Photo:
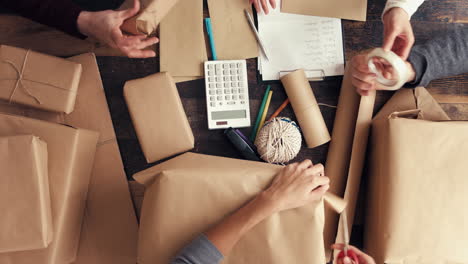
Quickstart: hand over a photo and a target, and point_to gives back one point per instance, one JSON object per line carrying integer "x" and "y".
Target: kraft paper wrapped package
{"x": 417, "y": 185}
{"x": 305, "y": 108}
{"x": 70, "y": 160}
{"x": 190, "y": 193}
{"x": 158, "y": 116}
{"x": 26, "y": 222}
{"x": 38, "y": 80}
{"x": 109, "y": 229}
{"x": 151, "y": 14}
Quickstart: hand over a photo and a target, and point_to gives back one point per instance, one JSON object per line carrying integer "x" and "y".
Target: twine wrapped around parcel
{"x": 279, "y": 140}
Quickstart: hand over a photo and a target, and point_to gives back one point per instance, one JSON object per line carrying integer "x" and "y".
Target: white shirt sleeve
{"x": 410, "y": 6}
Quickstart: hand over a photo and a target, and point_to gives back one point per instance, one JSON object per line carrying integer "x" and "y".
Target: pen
{"x": 253, "y": 134}
{"x": 265, "y": 111}
{"x": 257, "y": 36}
{"x": 209, "y": 31}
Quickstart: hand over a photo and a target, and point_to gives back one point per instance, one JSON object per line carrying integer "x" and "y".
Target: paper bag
{"x": 158, "y": 116}
{"x": 26, "y": 222}
{"x": 188, "y": 194}
{"x": 233, "y": 37}
{"x": 151, "y": 14}
{"x": 38, "y": 80}
{"x": 417, "y": 184}
{"x": 350, "y": 9}
{"x": 70, "y": 160}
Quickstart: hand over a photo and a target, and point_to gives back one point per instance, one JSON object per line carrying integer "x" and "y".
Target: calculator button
{"x": 218, "y": 66}
{"x": 219, "y": 85}
{"x": 211, "y": 79}
{"x": 220, "y": 103}
{"x": 212, "y": 98}
{"x": 241, "y": 97}
{"x": 219, "y": 79}
{"x": 210, "y": 66}
{"x": 234, "y": 90}
{"x": 213, "y": 104}
{"x": 234, "y": 97}
{"x": 239, "y": 65}
{"x": 239, "y": 71}
{"x": 211, "y": 85}
{"x": 227, "y": 91}
{"x": 239, "y": 84}
{"x": 218, "y": 72}
{"x": 226, "y": 85}
{"x": 231, "y": 103}
{"x": 210, "y": 73}
{"x": 220, "y": 98}
{"x": 233, "y": 78}
{"x": 225, "y": 66}
{"x": 233, "y": 65}
{"x": 226, "y": 72}
{"x": 233, "y": 72}
{"x": 228, "y": 97}
{"x": 242, "y": 102}
{"x": 212, "y": 92}
{"x": 233, "y": 84}
{"x": 241, "y": 90}
{"x": 240, "y": 77}
{"x": 219, "y": 91}
{"x": 226, "y": 78}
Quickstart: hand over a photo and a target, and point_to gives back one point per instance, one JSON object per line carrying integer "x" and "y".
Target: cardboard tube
{"x": 346, "y": 153}
{"x": 306, "y": 108}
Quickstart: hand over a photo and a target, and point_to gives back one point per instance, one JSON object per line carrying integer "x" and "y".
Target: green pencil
{"x": 253, "y": 134}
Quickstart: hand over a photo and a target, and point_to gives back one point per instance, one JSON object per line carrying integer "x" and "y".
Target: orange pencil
{"x": 278, "y": 111}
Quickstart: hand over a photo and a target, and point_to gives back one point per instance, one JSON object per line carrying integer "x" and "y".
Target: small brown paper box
{"x": 26, "y": 222}
{"x": 38, "y": 80}
{"x": 417, "y": 185}
{"x": 151, "y": 14}
{"x": 190, "y": 193}
{"x": 158, "y": 116}
{"x": 70, "y": 160}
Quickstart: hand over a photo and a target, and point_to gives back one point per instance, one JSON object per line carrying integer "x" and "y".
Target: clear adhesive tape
{"x": 396, "y": 62}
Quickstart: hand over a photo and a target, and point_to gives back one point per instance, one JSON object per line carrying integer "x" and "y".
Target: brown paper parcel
{"x": 151, "y": 14}
{"x": 233, "y": 37}
{"x": 306, "y": 108}
{"x": 417, "y": 185}
{"x": 38, "y": 80}
{"x": 158, "y": 116}
{"x": 346, "y": 154}
{"x": 109, "y": 231}
{"x": 350, "y": 9}
{"x": 188, "y": 194}
{"x": 26, "y": 222}
{"x": 71, "y": 155}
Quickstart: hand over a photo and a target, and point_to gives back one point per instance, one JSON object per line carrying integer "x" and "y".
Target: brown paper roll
{"x": 306, "y": 108}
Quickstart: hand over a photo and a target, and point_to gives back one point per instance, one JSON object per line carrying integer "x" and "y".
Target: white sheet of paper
{"x": 314, "y": 44}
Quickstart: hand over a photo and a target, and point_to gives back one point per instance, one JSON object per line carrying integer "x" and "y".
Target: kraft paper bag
{"x": 233, "y": 37}
{"x": 158, "y": 116}
{"x": 70, "y": 160}
{"x": 350, "y": 9}
{"x": 188, "y": 194}
{"x": 151, "y": 14}
{"x": 305, "y": 108}
{"x": 38, "y": 80}
{"x": 26, "y": 222}
{"x": 182, "y": 46}
{"x": 417, "y": 184}
{"x": 109, "y": 230}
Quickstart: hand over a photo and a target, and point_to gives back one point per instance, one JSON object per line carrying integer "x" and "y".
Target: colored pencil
{"x": 253, "y": 134}
{"x": 265, "y": 111}
{"x": 278, "y": 111}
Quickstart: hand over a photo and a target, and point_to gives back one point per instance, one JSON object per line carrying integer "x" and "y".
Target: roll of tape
{"x": 396, "y": 62}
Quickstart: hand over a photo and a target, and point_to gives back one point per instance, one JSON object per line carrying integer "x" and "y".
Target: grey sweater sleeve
{"x": 440, "y": 57}
{"x": 199, "y": 251}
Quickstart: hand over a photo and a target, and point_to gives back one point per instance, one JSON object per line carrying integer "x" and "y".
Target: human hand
{"x": 105, "y": 27}
{"x": 365, "y": 81}
{"x": 363, "y": 257}
{"x": 264, "y": 5}
{"x": 398, "y": 33}
{"x": 297, "y": 185}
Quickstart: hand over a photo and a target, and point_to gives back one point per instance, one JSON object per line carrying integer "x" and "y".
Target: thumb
{"x": 128, "y": 13}
{"x": 389, "y": 38}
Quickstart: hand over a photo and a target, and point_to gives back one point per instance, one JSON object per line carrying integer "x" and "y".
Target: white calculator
{"x": 227, "y": 94}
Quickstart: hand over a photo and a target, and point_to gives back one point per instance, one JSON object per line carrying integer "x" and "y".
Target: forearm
{"x": 410, "y": 6}
{"x": 440, "y": 57}
{"x": 60, "y": 14}
{"x": 227, "y": 233}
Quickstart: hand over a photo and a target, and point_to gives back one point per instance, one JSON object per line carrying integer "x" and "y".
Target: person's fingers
{"x": 363, "y": 76}
{"x": 304, "y": 164}
{"x": 265, "y": 6}
{"x": 146, "y": 43}
{"x": 408, "y": 45}
{"x": 362, "y": 85}
{"x": 362, "y": 92}
{"x": 319, "y": 192}
{"x": 136, "y": 53}
{"x": 128, "y": 13}
{"x": 389, "y": 38}
{"x": 317, "y": 181}
{"x": 273, "y": 3}
{"x": 316, "y": 170}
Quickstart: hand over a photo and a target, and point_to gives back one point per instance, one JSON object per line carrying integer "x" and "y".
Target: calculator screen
{"x": 228, "y": 114}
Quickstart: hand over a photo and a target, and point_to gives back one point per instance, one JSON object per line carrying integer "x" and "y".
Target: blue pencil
{"x": 209, "y": 30}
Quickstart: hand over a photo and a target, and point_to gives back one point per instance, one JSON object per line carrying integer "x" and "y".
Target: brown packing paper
{"x": 352, "y": 9}
{"x": 38, "y": 80}
{"x": 26, "y": 222}
{"x": 182, "y": 47}
{"x": 345, "y": 159}
{"x": 109, "y": 230}
{"x": 158, "y": 116}
{"x": 70, "y": 160}
{"x": 151, "y": 14}
{"x": 171, "y": 215}
{"x": 306, "y": 108}
{"x": 233, "y": 37}
{"x": 417, "y": 180}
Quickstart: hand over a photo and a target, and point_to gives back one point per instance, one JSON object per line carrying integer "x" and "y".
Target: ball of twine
{"x": 279, "y": 140}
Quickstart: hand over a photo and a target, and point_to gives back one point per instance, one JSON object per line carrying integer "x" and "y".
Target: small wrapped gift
{"x": 38, "y": 80}
{"x": 26, "y": 222}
